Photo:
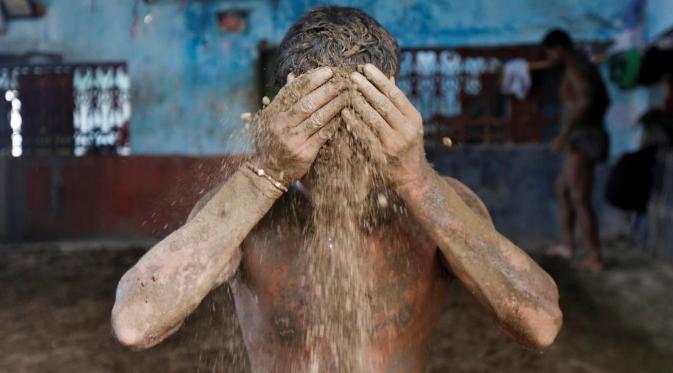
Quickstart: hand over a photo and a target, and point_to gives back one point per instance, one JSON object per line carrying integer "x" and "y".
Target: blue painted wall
{"x": 191, "y": 82}
{"x": 517, "y": 185}
{"x": 659, "y": 17}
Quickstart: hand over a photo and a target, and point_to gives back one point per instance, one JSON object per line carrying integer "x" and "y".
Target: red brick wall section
{"x": 108, "y": 197}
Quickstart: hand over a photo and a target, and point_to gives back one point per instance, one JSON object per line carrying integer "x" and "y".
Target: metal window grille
{"x": 67, "y": 109}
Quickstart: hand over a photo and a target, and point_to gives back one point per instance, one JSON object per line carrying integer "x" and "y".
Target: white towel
{"x": 516, "y": 78}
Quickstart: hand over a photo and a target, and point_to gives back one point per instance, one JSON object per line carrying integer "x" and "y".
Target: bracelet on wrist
{"x": 261, "y": 173}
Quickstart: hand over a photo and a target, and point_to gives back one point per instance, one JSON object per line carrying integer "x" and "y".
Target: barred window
{"x": 65, "y": 109}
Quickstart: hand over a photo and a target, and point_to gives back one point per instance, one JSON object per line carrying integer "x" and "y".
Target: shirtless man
{"x": 248, "y": 234}
{"x": 583, "y": 141}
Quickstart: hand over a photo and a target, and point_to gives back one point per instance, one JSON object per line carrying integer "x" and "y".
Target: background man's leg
{"x": 581, "y": 184}
{"x": 567, "y": 215}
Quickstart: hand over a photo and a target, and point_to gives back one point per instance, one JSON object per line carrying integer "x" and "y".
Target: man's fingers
{"x": 388, "y": 87}
{"x": 316, "y": 121}
{"x": 321, "y": 137}
{"x": 379, "y": 101}
{"x": 304, "y": 84}
{"x": 371, "y": 116}
{"x": 350, "y": 118}
{"x": 308, "y": 105}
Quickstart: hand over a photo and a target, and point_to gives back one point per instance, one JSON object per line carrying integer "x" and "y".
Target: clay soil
{"x": 55, "y": 303}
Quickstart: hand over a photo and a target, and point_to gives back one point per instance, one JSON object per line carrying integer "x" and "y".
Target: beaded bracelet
{"x": 261, "y": 173}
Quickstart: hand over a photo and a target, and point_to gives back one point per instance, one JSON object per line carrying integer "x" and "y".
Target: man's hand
{"x": 397, "y": 123}
{"x": 519, "y": 294}
{"x": 293, "y": 127}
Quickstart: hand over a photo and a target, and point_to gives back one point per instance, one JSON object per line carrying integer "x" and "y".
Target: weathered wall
{"x": 66, "y": 198}
{"x": 80, "y": 198}
{"x": 191, "y": 82}
{"x": 659, "y": 17}
{"x": 517, "y": 185}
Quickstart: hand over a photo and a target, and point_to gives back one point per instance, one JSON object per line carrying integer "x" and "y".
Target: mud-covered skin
{"x": 520, "y": 295}
{"x": 172, "y": 278}
{"x": 272, "y": 295}
{"x": 443, "y": 226}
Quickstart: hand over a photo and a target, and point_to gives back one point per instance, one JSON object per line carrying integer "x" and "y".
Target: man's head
{"x": 344, "y": 187}
{"x": 557, "y": 43}
{"x": 350, "y": 166}
{"x": 336, "y": 37}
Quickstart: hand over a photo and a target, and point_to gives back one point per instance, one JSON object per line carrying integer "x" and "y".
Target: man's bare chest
{"x": 398, "y": 265}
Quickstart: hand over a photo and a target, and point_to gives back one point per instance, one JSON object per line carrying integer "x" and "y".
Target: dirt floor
{"x": 55, "y": 302}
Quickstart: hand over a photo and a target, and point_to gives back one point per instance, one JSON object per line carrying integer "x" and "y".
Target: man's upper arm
{"x": 471, "y": 199}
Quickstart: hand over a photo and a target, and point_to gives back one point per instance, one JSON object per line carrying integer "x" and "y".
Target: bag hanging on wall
{"x": 630, "y": 181}
{"x": 656, "y": 63}
{"x": 624, "y": 68}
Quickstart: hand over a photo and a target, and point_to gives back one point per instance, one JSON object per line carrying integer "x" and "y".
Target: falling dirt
{"x": 347, "y": 172}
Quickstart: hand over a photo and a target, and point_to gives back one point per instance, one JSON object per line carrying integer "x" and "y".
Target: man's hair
{"x": 337, "y": 37}
{"x": 558, "y": 38}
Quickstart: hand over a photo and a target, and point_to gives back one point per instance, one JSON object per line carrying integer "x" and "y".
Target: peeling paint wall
{"x": 659, "y": 17}
{"x": 191, "y": 82}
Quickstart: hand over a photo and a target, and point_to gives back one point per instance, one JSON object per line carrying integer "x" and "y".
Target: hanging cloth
{"x": 516, "y": 78}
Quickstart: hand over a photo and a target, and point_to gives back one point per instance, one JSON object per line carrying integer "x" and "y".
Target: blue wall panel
{"x": 191, "y": 82}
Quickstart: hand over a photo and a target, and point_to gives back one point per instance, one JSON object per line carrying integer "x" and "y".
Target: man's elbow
{"x": 543, "y": 339}
{"x": 124, "y": 332}
{"x": 544, "y": 322}
{"x": 543, "y": 328}
{"x": 128, "y": 333}
{"x": 534, "y": 328}
{"x": 136, "y": 335}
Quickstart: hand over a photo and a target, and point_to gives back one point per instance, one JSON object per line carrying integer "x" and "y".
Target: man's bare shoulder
{"x": 470, "y": 198}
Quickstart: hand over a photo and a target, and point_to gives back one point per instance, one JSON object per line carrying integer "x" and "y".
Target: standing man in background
{"x": 583, "y": 142}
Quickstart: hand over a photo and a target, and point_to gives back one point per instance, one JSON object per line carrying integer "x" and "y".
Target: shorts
{"x": 592, "y": 141}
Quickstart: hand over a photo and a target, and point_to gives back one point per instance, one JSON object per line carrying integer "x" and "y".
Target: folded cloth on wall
{"x": 627, "y": 39}
{"x": 632, "y": 35}
{"x": 516, "y": 78}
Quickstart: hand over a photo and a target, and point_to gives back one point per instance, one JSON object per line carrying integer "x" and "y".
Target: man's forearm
{"x": 176, "y": 274}
{"x": 500, "y": 275}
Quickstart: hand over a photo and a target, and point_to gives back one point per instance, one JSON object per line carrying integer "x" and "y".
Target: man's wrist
{"x": 263, "y": 174}
{"x": 260, "y": 162}
{"x": 261, "y": 184}
{"x": 414, "y": 178}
